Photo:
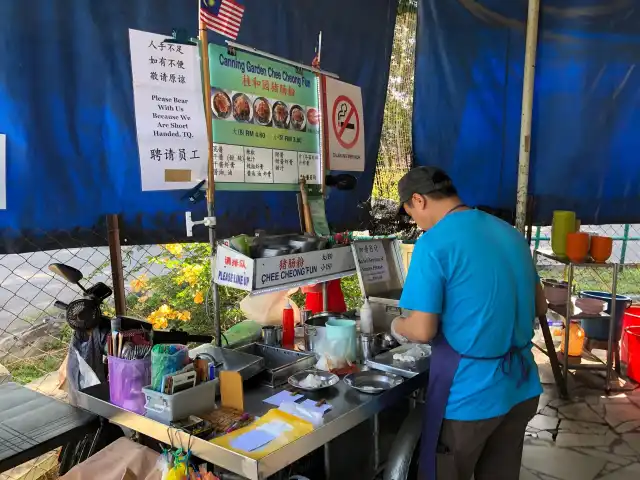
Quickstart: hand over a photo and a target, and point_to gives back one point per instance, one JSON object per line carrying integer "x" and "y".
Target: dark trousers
{"x": 485, "y": 449}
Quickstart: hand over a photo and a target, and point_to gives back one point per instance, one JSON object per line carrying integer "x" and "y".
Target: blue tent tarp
{"x": 66, "y": 106}
{"x": 468, "y": 93}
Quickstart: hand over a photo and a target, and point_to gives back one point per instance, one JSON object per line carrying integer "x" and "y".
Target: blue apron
{"x": 442, "y": 370}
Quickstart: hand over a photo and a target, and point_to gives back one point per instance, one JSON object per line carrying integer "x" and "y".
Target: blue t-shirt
{"x": 476, "y": 272}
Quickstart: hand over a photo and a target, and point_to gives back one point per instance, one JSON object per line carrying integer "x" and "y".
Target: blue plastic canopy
{"x": 66, "y": 106}
{"x": 586, "y": 115}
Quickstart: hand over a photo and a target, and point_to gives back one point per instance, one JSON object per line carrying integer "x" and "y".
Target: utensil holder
{"x": 127, "y": 378}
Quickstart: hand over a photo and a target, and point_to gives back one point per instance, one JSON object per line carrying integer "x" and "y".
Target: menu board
{"x": 266, "y": 122}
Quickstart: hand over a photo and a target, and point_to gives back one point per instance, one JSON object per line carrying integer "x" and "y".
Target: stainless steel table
{"x": 350, "y": 408}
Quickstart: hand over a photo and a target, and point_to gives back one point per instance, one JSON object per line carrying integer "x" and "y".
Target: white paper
{"x": 233, "y": 269}
{"x": 373, "y": 261}
{"x": 345, "y": 118}
{"x": 3, "y": 172}
{"x": 170, "y": 118}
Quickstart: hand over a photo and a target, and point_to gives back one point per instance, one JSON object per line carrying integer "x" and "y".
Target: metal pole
{"x": 613, "y": 327}
{"x": 567, "y": 325}
{"x": 376, "y": 444}
{"x": 117, "y": 273}
{"x": 625, "y": 240}
{"x": 206, "y": 83}
{"x": 527, "y": 110}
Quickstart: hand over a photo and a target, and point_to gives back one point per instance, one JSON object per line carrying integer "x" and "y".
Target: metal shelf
{"x": 568, "y": 306}
{"x": 577, "y": 313}
{"x": 548, "y": 253}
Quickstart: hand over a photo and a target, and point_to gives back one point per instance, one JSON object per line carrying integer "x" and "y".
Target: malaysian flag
{"x": 222, "y": 16}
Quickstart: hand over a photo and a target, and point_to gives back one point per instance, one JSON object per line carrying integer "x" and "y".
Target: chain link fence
{"x": 626, "y": 251}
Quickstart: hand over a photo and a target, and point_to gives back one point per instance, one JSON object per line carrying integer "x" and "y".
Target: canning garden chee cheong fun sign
{"x": 266, "y": 122}
{"x": 170, "y": 119}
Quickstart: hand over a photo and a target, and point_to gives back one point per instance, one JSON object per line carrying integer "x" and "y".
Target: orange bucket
{"x": 601, "y": 248}
{"x": 577, "y": 246}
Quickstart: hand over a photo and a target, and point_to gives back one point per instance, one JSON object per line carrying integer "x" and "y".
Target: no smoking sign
{"x": 344, "y": 126}
{"x": 346, "y": 122}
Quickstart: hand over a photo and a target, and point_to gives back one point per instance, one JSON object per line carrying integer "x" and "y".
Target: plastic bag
{"x": 333, "y": 354}
{"x": 266, "y": 309}
{"x": 166, "y": 359}
{"x": 84, "y": 367}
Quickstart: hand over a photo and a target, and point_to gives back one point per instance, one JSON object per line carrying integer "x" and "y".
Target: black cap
{"x": 423, "y": 181}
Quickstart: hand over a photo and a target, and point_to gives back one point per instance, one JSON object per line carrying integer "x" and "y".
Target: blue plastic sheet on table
{"x": 66, "y": 106}
{"x": 584, "y": 144}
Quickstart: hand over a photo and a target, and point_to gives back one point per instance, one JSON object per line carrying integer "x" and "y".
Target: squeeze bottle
{"x": 288, "y": 331}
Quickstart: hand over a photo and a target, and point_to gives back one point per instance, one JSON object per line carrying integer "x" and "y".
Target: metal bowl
{"x": 372, "y": 381}
{"x": 328, "y": 379}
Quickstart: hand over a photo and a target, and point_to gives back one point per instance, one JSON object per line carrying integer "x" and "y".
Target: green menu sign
{"x": 266, "y": 122}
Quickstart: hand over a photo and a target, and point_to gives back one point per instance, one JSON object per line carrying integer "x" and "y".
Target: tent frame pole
{"x": 527, "y": 110}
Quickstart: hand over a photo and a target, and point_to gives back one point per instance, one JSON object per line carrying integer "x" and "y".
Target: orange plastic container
{"x": 577, "y": 246}
{"x": 601, "y": 248}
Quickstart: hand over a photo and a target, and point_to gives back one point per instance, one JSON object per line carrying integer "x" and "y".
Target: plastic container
{"x": 564, "y": 222}
{"x": 601, "y": 248}
{"x": 631, "y": 319}
{"x": 343, "y": 332}
{"x": 577, "y": 246}
{"x": 598, "y": 328}
{"x": 193, "y": 401}
{"x": 166, "y": 359}
{"x": 366, "y": 318}
{"x": 632, "y": 335}
{"x": 576, "y": 340}
{"x": 288, "y": 327}
{"x": 127, "y": 378}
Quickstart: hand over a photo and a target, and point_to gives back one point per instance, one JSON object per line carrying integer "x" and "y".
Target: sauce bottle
{"x": 288, "y": 330}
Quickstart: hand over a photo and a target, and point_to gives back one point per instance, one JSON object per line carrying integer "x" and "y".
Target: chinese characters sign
{"x": 372, "y": 260}
{"x": 170, "y": 120}
{"x": 266, "y": 121}
{"x": 236, "y": 270}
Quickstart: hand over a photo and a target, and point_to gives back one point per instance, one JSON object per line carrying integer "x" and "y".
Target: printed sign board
{"x": 372, "y": 260}
{"x": 344, "y": 126}
{"x": 170, "y": 119}
{"x": 266, "y": 122}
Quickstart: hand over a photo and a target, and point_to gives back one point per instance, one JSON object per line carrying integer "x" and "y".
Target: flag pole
{"x": 206, "y": 83}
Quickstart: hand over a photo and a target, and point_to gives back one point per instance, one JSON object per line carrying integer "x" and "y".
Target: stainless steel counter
{"x": 350, "y": 408}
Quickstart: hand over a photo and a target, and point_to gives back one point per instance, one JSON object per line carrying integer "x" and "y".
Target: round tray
{"x": 329, "y": 379}
{"x": 372, "y": 382}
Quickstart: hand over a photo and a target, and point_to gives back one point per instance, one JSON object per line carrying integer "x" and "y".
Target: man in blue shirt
{"x": 473, "y": 293}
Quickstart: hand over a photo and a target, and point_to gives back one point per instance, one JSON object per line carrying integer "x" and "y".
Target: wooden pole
{"x": 206, "y": 84}
{"x": 117, "y": 273}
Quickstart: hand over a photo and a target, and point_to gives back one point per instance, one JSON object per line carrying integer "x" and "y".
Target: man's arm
{"x": 418, "y": 327}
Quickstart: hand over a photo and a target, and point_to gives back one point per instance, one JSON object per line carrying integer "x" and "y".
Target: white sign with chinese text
{"x": 170, "y": 118}
{"x": 3, "y": 172}
{"x": 344, "y": 124}
{"x": 372, "y": 260}
{"x": 298, "y": 267}
{"x": 234, "y": 269}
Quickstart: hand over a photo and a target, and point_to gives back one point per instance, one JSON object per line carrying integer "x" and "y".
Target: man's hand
{"x": 418, "y": 327}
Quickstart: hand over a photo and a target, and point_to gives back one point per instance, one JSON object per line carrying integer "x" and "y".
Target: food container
{"x": 316, "y": 328}
{"x": 555, "y": 291}
{"x": 343, "y": 333}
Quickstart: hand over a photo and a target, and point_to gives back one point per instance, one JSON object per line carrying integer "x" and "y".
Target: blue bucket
{"x": 598, "y": 328}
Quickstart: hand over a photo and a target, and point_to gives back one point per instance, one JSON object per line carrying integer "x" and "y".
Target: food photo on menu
{"x": 245, "y": 108}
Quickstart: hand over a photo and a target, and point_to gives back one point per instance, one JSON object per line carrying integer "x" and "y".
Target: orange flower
{"x": 198, "y": 298}
{"x": 139, "y": 284}
{"x": 174, "y": 249}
